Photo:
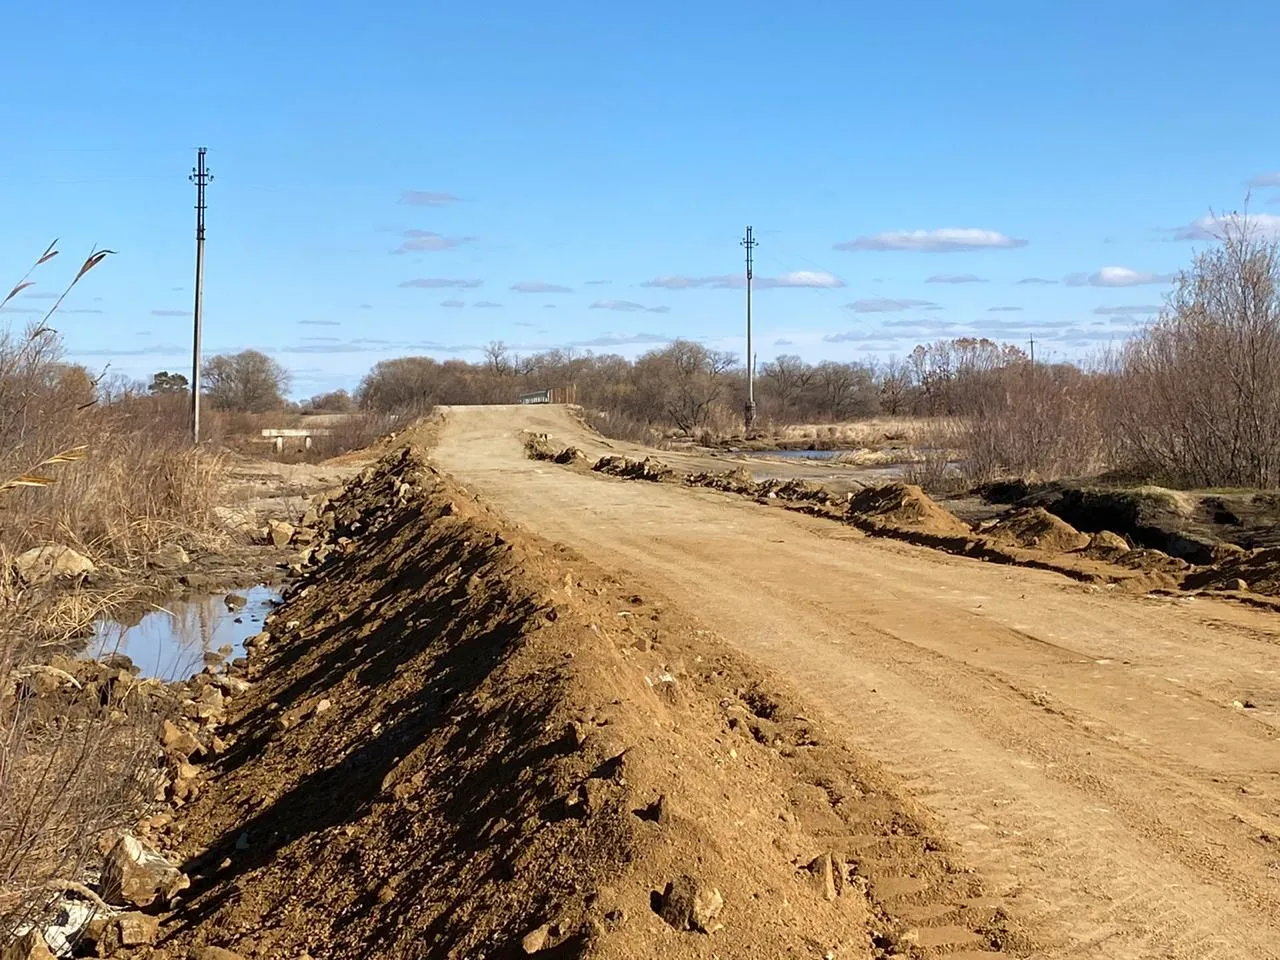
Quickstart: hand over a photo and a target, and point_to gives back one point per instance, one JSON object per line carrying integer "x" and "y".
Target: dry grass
{"x": 873, "y": 432}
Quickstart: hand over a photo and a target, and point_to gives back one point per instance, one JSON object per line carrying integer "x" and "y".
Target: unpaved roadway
{"x": 1110, "y": 764}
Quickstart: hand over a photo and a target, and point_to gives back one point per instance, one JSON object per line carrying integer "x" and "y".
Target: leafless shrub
{"x": 1198, "y": 399}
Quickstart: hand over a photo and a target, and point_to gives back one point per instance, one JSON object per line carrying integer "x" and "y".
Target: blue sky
{"x": 588, "y": 169}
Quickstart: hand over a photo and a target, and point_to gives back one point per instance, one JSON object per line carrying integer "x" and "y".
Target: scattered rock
{"x": 535, "y": 939}
{"x": 29, "y": 946}
{"x": 234, "y": 601}
{"x": 1235, "y": 584}
{"x": 137, "y": 929}
{"x": 1106, "y": 541}
{"x": 178, "y": 741}
{"x": 280, "y": 533}
{"x": 136, "y": 874}
{"x": 169, "y": 556}
{"x": 213, "y": 953}
{"x": 42, "y": 564}
{"x": 690, "y": 904}
{"x": 823, "y": 874}
{"x": 323, "y": 706}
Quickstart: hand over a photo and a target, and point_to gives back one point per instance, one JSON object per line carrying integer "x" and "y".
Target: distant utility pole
{"x": 1033, "y": 351}
{"x": 749, "y": 413}
{"x": 201, "y": 177}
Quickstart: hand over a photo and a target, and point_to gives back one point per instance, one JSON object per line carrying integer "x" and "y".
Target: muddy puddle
{"x": 177, "y": 639}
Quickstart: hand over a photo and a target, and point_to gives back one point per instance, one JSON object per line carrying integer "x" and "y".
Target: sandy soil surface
{"x": 1109, "y": 763}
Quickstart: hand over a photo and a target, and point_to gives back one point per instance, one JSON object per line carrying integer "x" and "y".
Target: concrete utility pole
{"x": 201, "y": 177}
{"x": 749, "y": 412}
{"x": 1033, "y": 351}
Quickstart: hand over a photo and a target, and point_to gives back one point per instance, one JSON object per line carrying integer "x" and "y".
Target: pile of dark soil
{"x": 538, "y": 446}
{"x": 464, "y": 742}
{"x": 646, "y": 469}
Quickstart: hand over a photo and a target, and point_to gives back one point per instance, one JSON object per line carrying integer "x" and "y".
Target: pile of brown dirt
{"x": 1038, "y": 529}
{"x": 906, "y": 505}
{"x": 738, "y": 480}
{"x": 646, "y": 469}
{"x": 464, "y": 742}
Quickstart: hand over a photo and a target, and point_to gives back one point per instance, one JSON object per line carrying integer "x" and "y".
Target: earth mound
{"x": 906, "y": 505}
{"x": 1038, "y": 529}
{"x": 646, "y": 469}
{"x": 462, "y": 741}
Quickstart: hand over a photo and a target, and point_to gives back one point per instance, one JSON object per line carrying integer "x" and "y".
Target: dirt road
{"x": 1109, "y": 763}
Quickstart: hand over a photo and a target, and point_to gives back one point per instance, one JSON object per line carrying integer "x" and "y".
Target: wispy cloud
{"x": 1264, "y": 180}
{"x": 549, "y": 306}
{"x": 1004, "y": 309}
{"x": 366, "y": 306}
{"x": 11, "y": 308}
{"x": 1123, "y": 311}
{"x": 598, "y": 283}
{"x": 815, "y": 279}
{"x": 626, "y": 306}
{"x": 454, "y": 304}
{"x": 171, "y": 313}
{"x": 1212, "y": 227}
{"x": 886, "y": 305}
{"x": 955, "y": 278}
{"x": 320, "y": 323}
{"x": 1116, "y": 277}
{"x": 539, "y": 286}
{"x": 945, "y": 240}
{"x": 1039, "y": 281}
{"x": 620, "y": 339}
{"x": 800, "y": 278}
{"x": 485, "y": 305}
{"x": 784, "y": 343}
{"x": 81, "y": 310}
{"x": 416, "y": 241}
{"x": 441, "y": 283}
{"x": 40, "y": 295}
{"x": 427, "y": 198}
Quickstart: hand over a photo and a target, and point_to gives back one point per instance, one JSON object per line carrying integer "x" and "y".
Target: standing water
{"x": 176, "y": 641}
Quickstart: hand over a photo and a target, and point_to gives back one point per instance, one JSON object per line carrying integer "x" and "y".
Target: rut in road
{"x": 1085, "y": 749}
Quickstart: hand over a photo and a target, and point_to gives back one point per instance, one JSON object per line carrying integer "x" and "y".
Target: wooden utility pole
{"x": 749, "y": 412}
{"x": 201, "y": 177}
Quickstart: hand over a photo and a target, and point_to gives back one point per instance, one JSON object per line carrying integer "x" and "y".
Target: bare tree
{"x": 248, "y": 381}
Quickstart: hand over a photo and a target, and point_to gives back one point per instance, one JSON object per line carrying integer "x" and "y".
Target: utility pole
{"x": 201, "y": 177}
{"x": 1033, "y": 351}
{"x": 749, "y": 412}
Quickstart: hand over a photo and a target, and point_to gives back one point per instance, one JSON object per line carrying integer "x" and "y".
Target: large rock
{"x": 29, "y": 946}
{"x": 42, "y": 564}
{"x": 178, "y": 741}
{"x": 690, "y": 904}
{"x": 169, "y": 556}
{"x": 137, "y": 929}
{"x": 279, "y": 532}
{"x": 136, "y": 874}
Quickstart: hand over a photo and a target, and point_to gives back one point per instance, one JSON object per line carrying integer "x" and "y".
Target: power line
{"x": 749, "y": 412}
{"x": 201, "y": 177}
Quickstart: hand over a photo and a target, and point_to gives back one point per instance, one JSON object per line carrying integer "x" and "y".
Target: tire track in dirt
{"x": 1125, "y": 802}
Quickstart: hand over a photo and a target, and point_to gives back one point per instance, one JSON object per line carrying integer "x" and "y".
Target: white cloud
{"x": 1039, "y": 281}
{"x": 427, "y": 198}
{"x": 625, "y": 306}
{"x": 485, "y": 305}
{"x": 539, "y": 286}
{"x": 1126, "y": 311}
{"x": 800, "y": 278}
{"x": 1212, "y": 227}
{"x": 1264, "y": 180}
{"x": 886, "y": 305}
{"x": 598, "y": 283}
{"x": 945, "y": 240}
{"x": 441, "y": 283}
{"x": 1004, "y": 309}
{"x": 1116, "y": 277}
{"x": 735, "y": 281}
{"x": 955, "y": 278}
{"x": 171, "y": 313}
{"x": 452, "y": 304}
{"x": 419, "y": 240}
{"x": 620, "y": 339}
